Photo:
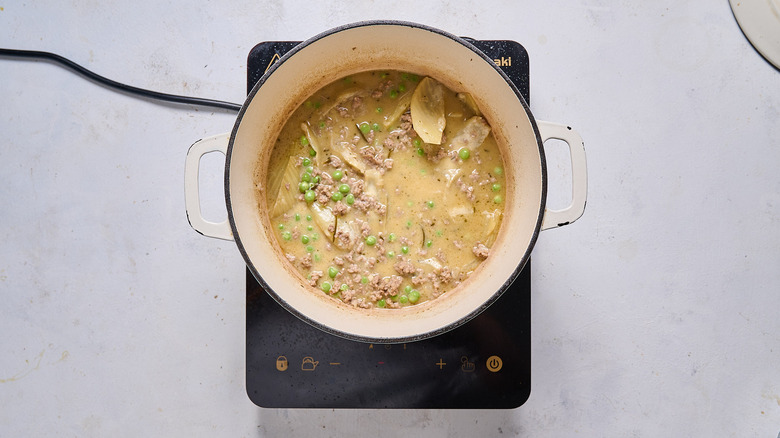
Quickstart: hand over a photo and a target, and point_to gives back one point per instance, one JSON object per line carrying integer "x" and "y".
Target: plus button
{"x": 441, "y": 363}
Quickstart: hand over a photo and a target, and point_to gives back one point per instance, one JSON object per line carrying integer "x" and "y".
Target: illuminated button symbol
{"x": 281, "y": 363}
{"x": 494, "y": 364}
{"x": 308, "y": 364}
{"x": 441, "y": 363}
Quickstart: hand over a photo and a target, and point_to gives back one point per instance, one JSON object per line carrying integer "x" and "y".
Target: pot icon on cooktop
{"x": 308, "y": 364}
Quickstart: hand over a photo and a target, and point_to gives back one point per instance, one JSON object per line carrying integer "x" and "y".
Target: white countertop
{"x": 654, "y": 315}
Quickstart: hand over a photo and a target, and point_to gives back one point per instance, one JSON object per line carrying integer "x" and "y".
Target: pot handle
{"x": 579, "y": 175}
{"x": 216, "y": 143}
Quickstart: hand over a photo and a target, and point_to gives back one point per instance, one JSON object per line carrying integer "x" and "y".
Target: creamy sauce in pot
{"x": 386, "y": 189}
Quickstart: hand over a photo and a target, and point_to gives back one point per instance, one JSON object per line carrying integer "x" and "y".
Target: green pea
{"x": 309, "y": 227}
{"x": 391, "y": 237}
{"x": 315, "y": 236}
{"x": 401, "y": 88}
{"x": 308, "y": 217}
{"x": 322, "y": 125}
{"x": 428, "y": 243}
{"x": 390, "y": 254}
{"x": 497, "y": 199}
{"x": 408, "y": 288}
{"x": 280, "y": 226}
{"x": 309, "y": 196}
{"x": 403, "y": 299}
{"x": 393, "y": 94}
{"x": 304, "y": 239}
{"x": 364, "y": 279}
{"x": 344, "y": 286}
{"x": 350, "y": 199}
{"x": 309, "y": 248}
{"x": 304, "y": 141}
{"x": 337, "y": 196}
{"x": 317, "y": 257}
{"x": 410, "y": 77}
{"x": 364, "y": 127}
{"x": 306, "y": 162}
{"x": 306, "y": 177}
{"x": 303, "y": 186}
{"x": 325, "y": 286}
{"x": 312, "y": 153}
{"x": 333, "y": 272}
{"x": 286, "y": 235}
{"x": 405, "y": 249}
{"x": 464, "y": 154}
{"x": 381, "y": 303}
{"x": 430, "y": 204}
{"x": 414, "y": 296}
{"x": 417, "y": 142}
{"x": 297, "y": 217}
{"x": 375, "y": 127}
{"x": 498, "y": 171}
{"x": 378, "y": 109}
{"x": 371, "y": 240}
{"x": 344, "y": 189}
{"x": 496, "y": 187}
{"x": 337, "y": 175}
{"x": 420, "y": 152}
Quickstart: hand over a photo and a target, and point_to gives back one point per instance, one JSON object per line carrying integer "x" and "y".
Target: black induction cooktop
{"x": 483, "y": 364}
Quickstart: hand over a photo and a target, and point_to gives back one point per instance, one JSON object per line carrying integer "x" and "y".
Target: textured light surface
{"x": 655, "y": 312}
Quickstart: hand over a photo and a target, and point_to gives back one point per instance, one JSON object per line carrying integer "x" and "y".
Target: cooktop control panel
{"x": 484, "y": 364}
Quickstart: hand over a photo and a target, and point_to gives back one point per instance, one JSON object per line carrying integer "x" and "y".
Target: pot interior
{"x": 374, "y": 46}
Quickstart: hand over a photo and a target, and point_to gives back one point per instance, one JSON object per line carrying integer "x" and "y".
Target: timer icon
{"x": 494, "y": 364}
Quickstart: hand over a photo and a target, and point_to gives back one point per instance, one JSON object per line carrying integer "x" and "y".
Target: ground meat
{"x": 384, "y": 287}
{"x": 335, "y": 161}
{"x": 467, "y": 189}
{"x": 406, "y": 123}
{"x": 340, "y": 209}
{"x": 356, "y": 186}
{"x": 404, "y": 268}
{"x": 357, "y": 103}
{"x": 380, "y": 90}
{"x": 480, "y": 250}
{"x": 365, "y": 229}
{"x": 315, "y": 277}
{"x": 290, "y": 257}
{"x": 306, "y": 261}
{"x": 343, "y": 238}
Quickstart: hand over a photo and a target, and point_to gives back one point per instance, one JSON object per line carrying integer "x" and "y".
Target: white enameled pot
{"x": 372, "y": 46}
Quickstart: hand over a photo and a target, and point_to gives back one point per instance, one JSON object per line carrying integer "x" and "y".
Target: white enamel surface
{"x": 380, "y": 47}
{"x": 215, "y": 143}
{"x": 579, "y": 171}
{"x": 654, "y": 315}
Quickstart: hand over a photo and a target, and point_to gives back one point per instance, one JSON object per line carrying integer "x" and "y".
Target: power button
{"x": 494, "y": 364}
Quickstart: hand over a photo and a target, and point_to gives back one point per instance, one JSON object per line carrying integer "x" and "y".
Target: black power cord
{"x": 116, "y": 85}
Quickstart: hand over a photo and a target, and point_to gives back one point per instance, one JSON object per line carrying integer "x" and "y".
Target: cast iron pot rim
{"x": 421, "y": 336}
